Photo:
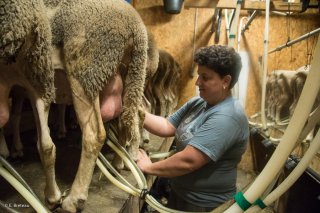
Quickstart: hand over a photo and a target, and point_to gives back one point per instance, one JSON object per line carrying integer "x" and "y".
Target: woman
{"x": 211, "y": 133}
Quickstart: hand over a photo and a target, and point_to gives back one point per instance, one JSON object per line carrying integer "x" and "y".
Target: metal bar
{"x": 246, "y": 26}
{"x": 288, "y": 44}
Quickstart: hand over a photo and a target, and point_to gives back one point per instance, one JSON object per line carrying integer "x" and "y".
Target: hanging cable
{"x": 192, "y": 71}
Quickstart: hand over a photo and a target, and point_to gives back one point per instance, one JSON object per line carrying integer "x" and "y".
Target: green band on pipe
{"x": 232, "y": 36}
{"x": 242, "y": 201}
{"x": 260, "y": 203}
{"x": 239, "y": 1}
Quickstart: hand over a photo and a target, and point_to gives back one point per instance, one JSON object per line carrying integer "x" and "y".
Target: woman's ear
{"x": 227, "y": 81}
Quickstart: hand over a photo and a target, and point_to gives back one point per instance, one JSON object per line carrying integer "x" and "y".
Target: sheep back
{"x": 94, "y": 36}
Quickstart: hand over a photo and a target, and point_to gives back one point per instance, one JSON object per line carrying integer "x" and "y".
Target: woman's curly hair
{"x": 223, "y": 60}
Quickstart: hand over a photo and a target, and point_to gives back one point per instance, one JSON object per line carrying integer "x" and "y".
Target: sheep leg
{"x": 4, "y": 152}
{"x": 129, "y": 136}
{"x": 144, "y": 133}
{"x": 17, "y": 104}
{"x": 4, "y": 117}
{"x": 4, "y": 103}
{"x": 93, "y": 138}
{"x": 129, "y": 125}
{"x": 129, "y": 121}
{"x": 47, "y": 151}
{"x": 62, "y": 130}
{"x": 111, "y": 105}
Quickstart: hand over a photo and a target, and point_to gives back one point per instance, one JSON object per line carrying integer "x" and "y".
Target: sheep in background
{"x": 149, "y": 100}
{"x": 283, "y": 90}
{"x": 161, "y": 92}
{"x": 279, "y": 94}
{"x": 90, "y": 47}
{"x": 165, "y": 84}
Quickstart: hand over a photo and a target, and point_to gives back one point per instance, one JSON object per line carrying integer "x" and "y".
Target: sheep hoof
{"x": 80, "y": 205}
{"x": 53, "y": 206}
{"x": 68, "y": 205}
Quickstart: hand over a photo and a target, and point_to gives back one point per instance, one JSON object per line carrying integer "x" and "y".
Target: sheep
{"x": 91, "y": 39}
{"x": 297, "y": 85}
{"x": 166, "y": 83}
{"x": 279, "y": 95}
{"x": 25, "y": 48}
{"x": 17, "y": 98}
{"x": 283, "y": 90}
{"x": 25, "y": 53}
{"x": 18, "y": 95}
{"x": 161, "y": 92}
{"x": 152, "y": 65}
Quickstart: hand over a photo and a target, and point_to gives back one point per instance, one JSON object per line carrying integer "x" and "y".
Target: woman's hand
{"x": 143, "y": 160}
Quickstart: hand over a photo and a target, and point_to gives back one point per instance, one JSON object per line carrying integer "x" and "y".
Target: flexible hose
{"x": 123, "y": 184}
{"x": 15, "y": 174}
{"x": 159, "y": 155}
{"x": 34, "y": 202}
{"x": 289, "y": 139}
{"x": 114, "y": 180}
{"x": 294, "y": 175}
{"x": 129, "y": 163}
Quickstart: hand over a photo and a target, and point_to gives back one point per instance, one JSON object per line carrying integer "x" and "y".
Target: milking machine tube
{"x": 34, "y": 202}
{"x": 129, "y": 163}
{"x": 294, "y": 175}
{"x": 14, "y": 173}
{"x": 158, "y": 155}
{"x": 123, "y": 184}
{"x": 289, "y": 139}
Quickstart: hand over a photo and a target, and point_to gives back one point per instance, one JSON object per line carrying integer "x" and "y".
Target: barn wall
{"x": 175, "y": 34}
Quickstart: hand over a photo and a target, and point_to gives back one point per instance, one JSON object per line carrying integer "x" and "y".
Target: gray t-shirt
{"x": 221, "y": 132}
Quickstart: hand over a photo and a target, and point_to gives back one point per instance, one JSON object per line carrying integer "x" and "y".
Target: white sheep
{"x": 90, "y": 39}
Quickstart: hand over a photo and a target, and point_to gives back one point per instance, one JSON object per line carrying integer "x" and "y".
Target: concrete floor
{"x": 103, "y": 195}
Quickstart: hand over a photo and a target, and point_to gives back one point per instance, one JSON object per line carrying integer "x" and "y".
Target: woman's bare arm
{"x": 158, "y": 125}
{"x": 181, "y": 163}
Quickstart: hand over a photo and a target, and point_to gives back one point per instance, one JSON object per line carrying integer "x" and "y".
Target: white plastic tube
{"x": 288, "y": 141}
{"x": 294, "y": 175}
{"x": 34, "y": 202}
{"x": 312, "y": 121}
{"x": 129, "y": 164}
{"x": 265, "y": 68}
{"x": 127, "y": 187}
{"x": 158, "y": 155}
{"x": 114, "y": 180}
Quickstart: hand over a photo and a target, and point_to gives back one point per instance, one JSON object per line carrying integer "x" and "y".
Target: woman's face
{"x": 212, "y": 87}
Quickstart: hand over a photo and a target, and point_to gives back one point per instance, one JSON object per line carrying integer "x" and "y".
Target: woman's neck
{"x": 219, "y": 101}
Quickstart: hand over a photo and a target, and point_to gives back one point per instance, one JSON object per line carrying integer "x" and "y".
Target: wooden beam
{"x": 200, "y": 3}
{"x": 285, "y": 7}
{"x": 246, "y": 5}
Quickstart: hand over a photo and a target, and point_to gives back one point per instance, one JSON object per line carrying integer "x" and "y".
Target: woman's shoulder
{"x": 195, "y": 100}
{"x": 230, "y": 108}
